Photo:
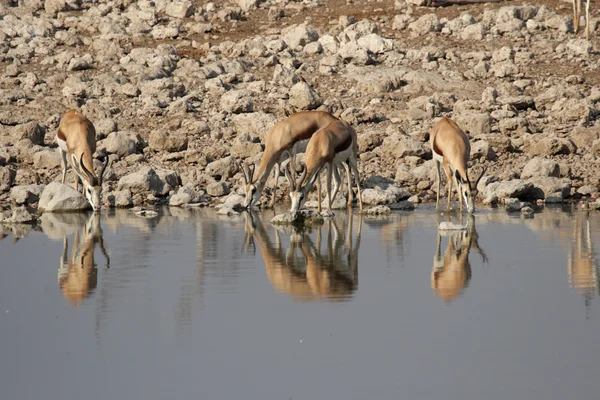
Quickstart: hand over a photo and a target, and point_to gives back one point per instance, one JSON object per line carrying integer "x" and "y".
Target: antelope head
{"x": 296, "y": 190}
{"x": 92, "y": 183}
{"x": 469, "y": 191}
{"x": 252, "y": 193}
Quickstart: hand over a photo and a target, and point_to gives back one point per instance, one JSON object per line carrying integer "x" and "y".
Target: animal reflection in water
{"x": 451, "y": 274}
{"x": 77, "y": 276}
{"x": 583, "y": 270}
{"x": 303, "y": 269}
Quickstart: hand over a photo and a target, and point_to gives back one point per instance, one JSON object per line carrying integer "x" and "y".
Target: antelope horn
{"x": 288, "y": 174}
{"x": 103, "y": 169}
{"x": 480, "y": 176}
{"x": 251, "y": 174}
{"x": 302, "y": 176}
{"x": 241, "y": 168}
{"x": 85, "y": 170}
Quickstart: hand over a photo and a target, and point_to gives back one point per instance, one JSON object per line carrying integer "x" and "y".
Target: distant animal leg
{"x": 63, "y": 164}
{"x": 276, "y": 172}
{"x": 576, "y": 13}
{"x": 318, "y": 190}
{"x": 349, "y": 181}
{"x": 439, "y": 183}
{"x": 329, "y": 174}
{"x": 587, "y": 19}
{"x": 354, "y": 166}
{"x": 450, "y": 180}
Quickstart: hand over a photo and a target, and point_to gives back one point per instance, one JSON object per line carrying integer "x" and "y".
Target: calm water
{"x": 193, "y": 305}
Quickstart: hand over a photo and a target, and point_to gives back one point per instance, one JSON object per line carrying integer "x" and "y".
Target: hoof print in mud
{"x": 302, "y": 218}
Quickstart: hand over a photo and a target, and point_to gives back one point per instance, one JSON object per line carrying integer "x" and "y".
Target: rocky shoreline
{"x": 176, "y": 92}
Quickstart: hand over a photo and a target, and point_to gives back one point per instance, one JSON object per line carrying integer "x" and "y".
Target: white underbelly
{"x": 437, "y": 157}
{"x": 62, "y": 145}
{"x": 342, "y": 156}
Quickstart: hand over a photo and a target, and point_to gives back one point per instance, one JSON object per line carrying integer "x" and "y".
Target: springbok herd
{"x": 327, "y": 142}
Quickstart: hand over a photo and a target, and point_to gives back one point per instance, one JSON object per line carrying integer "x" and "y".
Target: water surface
{"x": 190, "y": 304}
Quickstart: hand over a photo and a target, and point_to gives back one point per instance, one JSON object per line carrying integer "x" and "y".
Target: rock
{"x": 544, "y": 187}
{"x": 123, "y": 143}
{"x": 170, "y": 177}
{"x": 227, "y": 211}
{"x": 234, "y": 201}
{"x": 399, "y": 146}
{"x": 401, "y": 21}
{"x": 501, "y": 190}
{"x": 527, "y": 211}
{"x": 583, "y": 138}
{"x": 59, "y": 197}
{"x": 237, "y": 101}
{"x": 339, "y": 203}
{"x": 217, "y": 189}
{"x": 20, "y": 216}
{"x": 450, "y": 226}
{"x": 258, "y": 123}
{"x": 179, "y": 9}
{"x": 516, "y": 205}
{"x": 53, "y": 7}
{"x": 579, "y": 47}
{"x": 377, "y": 210}
{"x": 473, "y": 32}
{"x": 403, "y": 205}
{"x": 474, "y": 124}
{"x": 482, "y": 149}
{"x": 224, "y": 168}
{"x": 376, "y": 196}
{"x": 299, "y": 35}
{"x": 375, "y": 43}
{"x": 425, "y": 24}
{"x": 572, "y": 110}
{"x": 31, "y": 131}
{"x": 46, "y": 159}
{"x": 550, "y": 146}
{"x": 26, "y": 194}
{"x": 179, "y": 199}
{"x": 587, "y": 190}
{"x": 143, "y": 181}
{"x": 120, "y": 199}
{"x": 300, "y": 218}
{"x": 247, "y": 5}
{"x": 304, "y": 97}
{"x": 540, "y": 167}
{"x": 7, "y": 177}
{"x": 164, "y": 141}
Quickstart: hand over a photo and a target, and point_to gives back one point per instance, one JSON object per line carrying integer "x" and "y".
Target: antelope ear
{"x": 458, "y": 177}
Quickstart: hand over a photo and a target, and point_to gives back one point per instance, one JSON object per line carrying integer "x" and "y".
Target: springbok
{"x": 335, "y": 144}
{"x": 76, "y": 136}
{"x": 577, "y": 16}
{"x": 77, "y": 276}
{"x": 451, "y": 274}
{"x": 283, "y": 141}
{"x": 451, "y": 148}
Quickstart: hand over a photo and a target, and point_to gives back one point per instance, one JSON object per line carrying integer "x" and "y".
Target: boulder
{"x": 59, "y": 197}
{"x": 143, "y": 181}
{"x": 304, "y": 97}
{"x": 179, "y": 9}
{"x": 425, "y": 24}
{"x": 224, "y": 168}
{"x": 375, "y": 43}
{"x": 123, "y": 143}
{"x": 377, "y": 210}
{"x": 20, "y": 215}
{"x": 376, "y": 197}
{"x": 247, "y": 5}
{"x": 7, "y": 177}
{"x": 400, "y": 146}
{"x": 496, "y": 191}
{"x": 237, "y": 101}
{"x": 544, "y": 187}
{"x": 482, "y": 149}
{"x": 46, "y": 159}
{"x": 120, "y": 199}
{"x": 583, "y": 138}
{"x": 26, "y": 194}
{"x": 550, "y": 146}
{"x": 217, "y": 189}
{"x": 299, "y": 35}
{"x": 31, "y": 131}
{"x": 540, "y": 167}
{"x": 300, "y": 218}
{"x": 165, "y": 141}
{"x": 474, "y": 124}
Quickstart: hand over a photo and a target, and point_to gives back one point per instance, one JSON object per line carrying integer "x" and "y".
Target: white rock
{"x": 304, "y": 97}
{"x": 58, "y": 197}
{"x": 26, "y": 194}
